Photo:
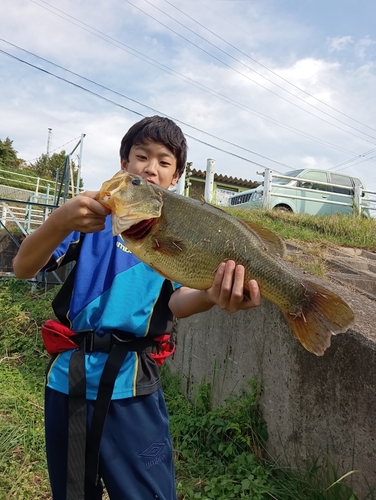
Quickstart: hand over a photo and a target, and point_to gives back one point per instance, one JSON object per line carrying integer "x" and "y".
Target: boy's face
{"x": 152, "y": 161}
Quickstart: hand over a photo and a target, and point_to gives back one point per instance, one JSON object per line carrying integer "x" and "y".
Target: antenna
{"x": 49, "y": 142}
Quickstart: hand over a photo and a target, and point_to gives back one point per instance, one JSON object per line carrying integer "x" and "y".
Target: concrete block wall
{"x": 311, "y": 404}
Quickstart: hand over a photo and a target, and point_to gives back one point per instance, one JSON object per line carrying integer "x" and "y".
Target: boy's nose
{"x": 152, "y": 165}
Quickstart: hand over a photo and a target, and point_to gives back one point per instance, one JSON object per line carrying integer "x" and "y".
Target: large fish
{"x": 185, "y": 241}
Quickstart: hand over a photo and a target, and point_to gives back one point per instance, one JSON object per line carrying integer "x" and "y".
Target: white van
{"x": 308, "y": 191}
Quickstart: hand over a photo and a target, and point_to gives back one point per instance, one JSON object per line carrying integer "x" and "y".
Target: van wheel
{"x": 281, "y": 208}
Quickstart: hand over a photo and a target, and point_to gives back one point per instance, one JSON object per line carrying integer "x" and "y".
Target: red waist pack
{"x": 56, "y": 337}
{"x": 165, "y": 348}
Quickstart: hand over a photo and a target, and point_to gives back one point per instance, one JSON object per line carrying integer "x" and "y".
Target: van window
{"x": 293, "y": 173}
{"x": 342, "y": 180}
{"x": 312, "y": 175}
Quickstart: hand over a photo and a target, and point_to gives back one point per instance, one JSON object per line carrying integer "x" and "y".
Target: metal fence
{"x": 359, "y": 201}
{"x": 27, "y": 182}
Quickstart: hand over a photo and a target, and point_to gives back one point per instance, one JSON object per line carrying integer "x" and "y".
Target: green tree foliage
{"x": 8, "y": 155}
{"x": 48, "y": 166}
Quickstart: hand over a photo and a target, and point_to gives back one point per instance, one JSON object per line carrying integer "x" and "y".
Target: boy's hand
{"x": 81, "y": 213}
{"x": 227, "y": 291}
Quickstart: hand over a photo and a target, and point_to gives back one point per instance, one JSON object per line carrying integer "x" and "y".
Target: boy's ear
{"x": 175, "y": 179}
{"x": 123, "y": 164}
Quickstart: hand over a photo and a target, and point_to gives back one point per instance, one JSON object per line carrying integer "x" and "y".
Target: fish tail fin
{"x": 322, "y": 315}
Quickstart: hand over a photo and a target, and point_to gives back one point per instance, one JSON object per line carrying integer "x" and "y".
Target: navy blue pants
{"x": 136, "y": 460}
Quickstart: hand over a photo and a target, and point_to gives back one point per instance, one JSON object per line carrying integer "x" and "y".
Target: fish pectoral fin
{"x": 168, "y": 246}
{"x": 273, "y": 243}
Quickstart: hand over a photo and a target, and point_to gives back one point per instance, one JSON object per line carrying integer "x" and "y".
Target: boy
{"x": 115, "y": 306}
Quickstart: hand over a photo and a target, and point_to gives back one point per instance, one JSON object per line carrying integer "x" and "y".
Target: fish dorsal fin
{"x": 272, "y": 243}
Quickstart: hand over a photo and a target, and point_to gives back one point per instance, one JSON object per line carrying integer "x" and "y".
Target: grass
{"x": 25, "y": 179}
{"x": 220, "y": 453}
{"x": 326, "y": 230}
{"x": 22, "y": 462}
{"x": 23, "y": 472}
{"x": 314, "y": 235}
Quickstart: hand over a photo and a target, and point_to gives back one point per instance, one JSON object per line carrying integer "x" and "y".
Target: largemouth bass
{"x": 185, "y": 241}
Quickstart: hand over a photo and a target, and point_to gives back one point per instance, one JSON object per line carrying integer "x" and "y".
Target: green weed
{"x": 220, "y": 452}
{"x": 336, "y": 229}
{"x": 23, "y": 470}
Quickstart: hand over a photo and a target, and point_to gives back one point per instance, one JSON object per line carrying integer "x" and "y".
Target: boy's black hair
{"x": 157, "y": 129}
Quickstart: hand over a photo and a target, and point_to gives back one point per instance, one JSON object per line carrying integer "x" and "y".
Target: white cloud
{"x": 340, "y": 43}
{"x": 335, "y": 74}
{"x": 362, "y": 46}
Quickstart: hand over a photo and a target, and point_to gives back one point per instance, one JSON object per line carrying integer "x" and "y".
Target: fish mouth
{"x": 132, "y": 199}
{"x": 139, "y": 230}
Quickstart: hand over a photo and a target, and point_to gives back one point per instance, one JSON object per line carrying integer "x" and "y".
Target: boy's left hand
{"x": 227, "y": 291}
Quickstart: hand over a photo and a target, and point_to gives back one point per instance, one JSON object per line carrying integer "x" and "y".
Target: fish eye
{"x": 136, "y": 182}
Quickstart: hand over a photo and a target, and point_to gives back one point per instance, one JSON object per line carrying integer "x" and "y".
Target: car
{"x": 309, "y": 191}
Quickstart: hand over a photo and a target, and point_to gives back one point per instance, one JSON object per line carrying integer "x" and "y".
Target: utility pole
{"x": 80, "y": 164}
{"x": 48, "y": 142}
{"x": 209, "y": 180}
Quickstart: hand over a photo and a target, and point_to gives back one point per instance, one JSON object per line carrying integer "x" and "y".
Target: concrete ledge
{"x": 311, "y": 404}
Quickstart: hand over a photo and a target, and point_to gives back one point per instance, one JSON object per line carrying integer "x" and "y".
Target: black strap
{"x": 111, "y": 369}
{"x": 95, "y": 342}
{"x": 76, "y": 426}
{"x": 83, "y": 451}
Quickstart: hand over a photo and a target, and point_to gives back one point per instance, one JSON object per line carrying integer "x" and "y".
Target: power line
{"x": 228, "y": 21}
{"x": 244, "y": 108}
{"x": 350, "y": 163}
{"x": 196, "y": 84}
{"x": 144, "y": 105}
{"x": 265, "y": 67}
{"x": 154, "y": 110}
{"x": 247, "y": 77}
{"x": 59, "y": 147}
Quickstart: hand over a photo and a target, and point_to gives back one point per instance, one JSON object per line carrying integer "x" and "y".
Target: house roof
{"x": 225, "y": 178}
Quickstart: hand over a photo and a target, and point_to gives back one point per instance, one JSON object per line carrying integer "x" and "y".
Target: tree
{"x": 8, "y": 155}
{"x": 49, "y": 167}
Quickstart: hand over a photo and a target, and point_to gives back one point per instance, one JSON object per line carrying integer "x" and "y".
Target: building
{"x": 224, "y": 186}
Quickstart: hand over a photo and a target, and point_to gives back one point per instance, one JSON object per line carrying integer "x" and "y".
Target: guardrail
{"x": 24, "y": 208}
{"x": 25, "y": 217}
{"x": 357, "y": 201}
{"x": 26, "y": 200}
{"x": 361, "y": 200}
{"x": 29, "y": 182}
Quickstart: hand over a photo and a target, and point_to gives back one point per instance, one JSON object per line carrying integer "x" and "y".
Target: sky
{"x": 252, "y": 83}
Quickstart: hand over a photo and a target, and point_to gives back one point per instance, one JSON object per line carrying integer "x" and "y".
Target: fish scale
{"x": 223, "y": 238}
{"x": 186, "y": 241}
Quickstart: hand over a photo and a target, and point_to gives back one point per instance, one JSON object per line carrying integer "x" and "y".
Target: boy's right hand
{"x": 81, "y": 213}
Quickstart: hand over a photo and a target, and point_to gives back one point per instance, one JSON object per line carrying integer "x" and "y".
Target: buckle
{"x": 95, "y": 342}
{"x": 123, "y": 340}
{"x": 92, "y": 341}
